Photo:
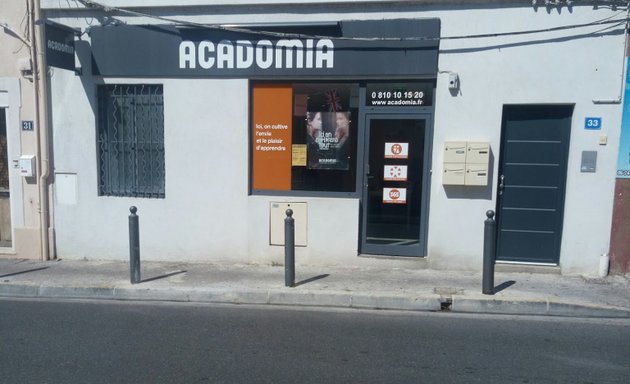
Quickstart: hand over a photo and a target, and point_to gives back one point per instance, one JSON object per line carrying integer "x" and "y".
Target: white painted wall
{"x": 208, "y": 215}
{"x": 513, "y": 71}
{"x": 17, "y": 95}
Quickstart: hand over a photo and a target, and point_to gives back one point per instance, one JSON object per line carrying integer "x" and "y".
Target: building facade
{"x": 21, "y": 211}
{"x": 390, "y": 128}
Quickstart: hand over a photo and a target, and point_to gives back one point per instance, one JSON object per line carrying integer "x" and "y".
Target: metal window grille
{"x": 131, "y": 140}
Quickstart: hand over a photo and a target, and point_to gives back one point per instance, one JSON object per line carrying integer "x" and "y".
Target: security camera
{"x": 453, "y": 81}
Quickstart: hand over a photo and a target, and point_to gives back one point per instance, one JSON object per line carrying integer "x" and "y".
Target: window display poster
{"x": 298, "y": 158}
{"x": 271, "y": 137}
{"x": 327, "y": 135}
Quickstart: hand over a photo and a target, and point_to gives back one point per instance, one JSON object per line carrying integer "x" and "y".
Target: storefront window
{"x": 304, "y": 136}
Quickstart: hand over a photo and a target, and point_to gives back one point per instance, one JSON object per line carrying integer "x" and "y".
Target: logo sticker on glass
{"x": 395, "y": 173}
{"x": 396, "y": 150}
{"x": 395, "y": 195}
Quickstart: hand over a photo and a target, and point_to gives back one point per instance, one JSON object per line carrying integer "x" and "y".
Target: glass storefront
{"x": 368, "y": 140}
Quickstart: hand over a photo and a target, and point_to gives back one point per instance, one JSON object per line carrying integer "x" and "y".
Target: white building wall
{"x": 208, "y": 215}
{"x": 17, "y": 96}
{"x": 551, "y": 69}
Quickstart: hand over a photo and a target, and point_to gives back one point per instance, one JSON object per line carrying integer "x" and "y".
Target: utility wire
{"x": 533, "y": 31}
{"x": 15, "y": 34}
{"x": 175, "y": 22}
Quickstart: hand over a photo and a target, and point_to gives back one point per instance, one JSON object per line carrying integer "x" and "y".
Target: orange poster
{"x": 271, "y": 137}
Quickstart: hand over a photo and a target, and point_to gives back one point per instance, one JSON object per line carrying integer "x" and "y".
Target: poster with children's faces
{"x": 327, "y": 136}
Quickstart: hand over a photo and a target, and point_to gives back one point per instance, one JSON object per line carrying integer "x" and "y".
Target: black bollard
{"x": 289, "y": 249}
{"x": 134, "y": 246}
{"x": 489, "y": 249}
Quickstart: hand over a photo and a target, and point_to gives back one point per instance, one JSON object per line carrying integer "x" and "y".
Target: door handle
{"x": 501, "y": 184}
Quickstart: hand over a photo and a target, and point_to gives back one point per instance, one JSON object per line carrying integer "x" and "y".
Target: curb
{"x": 535, "y": 307}
{"x": 332, "y": 299}
{"x": 228, "y": 296}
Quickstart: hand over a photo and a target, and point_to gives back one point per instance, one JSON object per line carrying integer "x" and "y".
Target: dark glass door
{"x": 395, "y": 185}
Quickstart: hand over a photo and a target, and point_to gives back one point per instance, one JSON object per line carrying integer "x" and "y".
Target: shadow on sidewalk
{"x": 163, "y": 276}
{"x": 311, "y": 280}
{"x": 21, "y": 272}
{"x": 504, "y": 285}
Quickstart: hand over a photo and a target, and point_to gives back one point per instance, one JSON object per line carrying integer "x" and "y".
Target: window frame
{"x": 134, "y": 189}
{"x": 359, "y": 153}
{"x": 363, "y": 110}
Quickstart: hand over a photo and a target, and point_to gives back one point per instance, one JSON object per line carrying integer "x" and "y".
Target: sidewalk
{"x": 396, "y": 289}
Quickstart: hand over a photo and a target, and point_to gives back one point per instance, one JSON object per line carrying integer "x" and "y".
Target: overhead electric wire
{"x": 15, "y": 34}
{"x": 176, "y": 22}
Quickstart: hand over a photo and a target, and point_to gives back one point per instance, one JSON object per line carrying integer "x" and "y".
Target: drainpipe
{"x": 40, "y": 79}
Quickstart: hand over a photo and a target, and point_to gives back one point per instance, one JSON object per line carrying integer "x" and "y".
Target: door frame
{"x": 10, "y": 100}
{"x": 395, "y": 114}
{"x": 561, "y": 198}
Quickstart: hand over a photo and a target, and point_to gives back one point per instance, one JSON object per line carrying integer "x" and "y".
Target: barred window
{"x": 131, "y": 140}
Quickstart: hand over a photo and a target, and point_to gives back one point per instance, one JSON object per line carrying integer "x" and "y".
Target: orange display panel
{"x": 271, "y": 137}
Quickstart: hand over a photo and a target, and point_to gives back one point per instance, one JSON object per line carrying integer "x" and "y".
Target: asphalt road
{"x": 122, "y": 342}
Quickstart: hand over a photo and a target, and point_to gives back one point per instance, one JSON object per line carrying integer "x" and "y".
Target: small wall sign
{"x": 396, "y": 150}
{"x": 27, "y": 125}
{"x": 394, "y": 195}
{"x": 59, "y": 46}
{"x": 395, "y": 173}
{"x": 593, "y": 123}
